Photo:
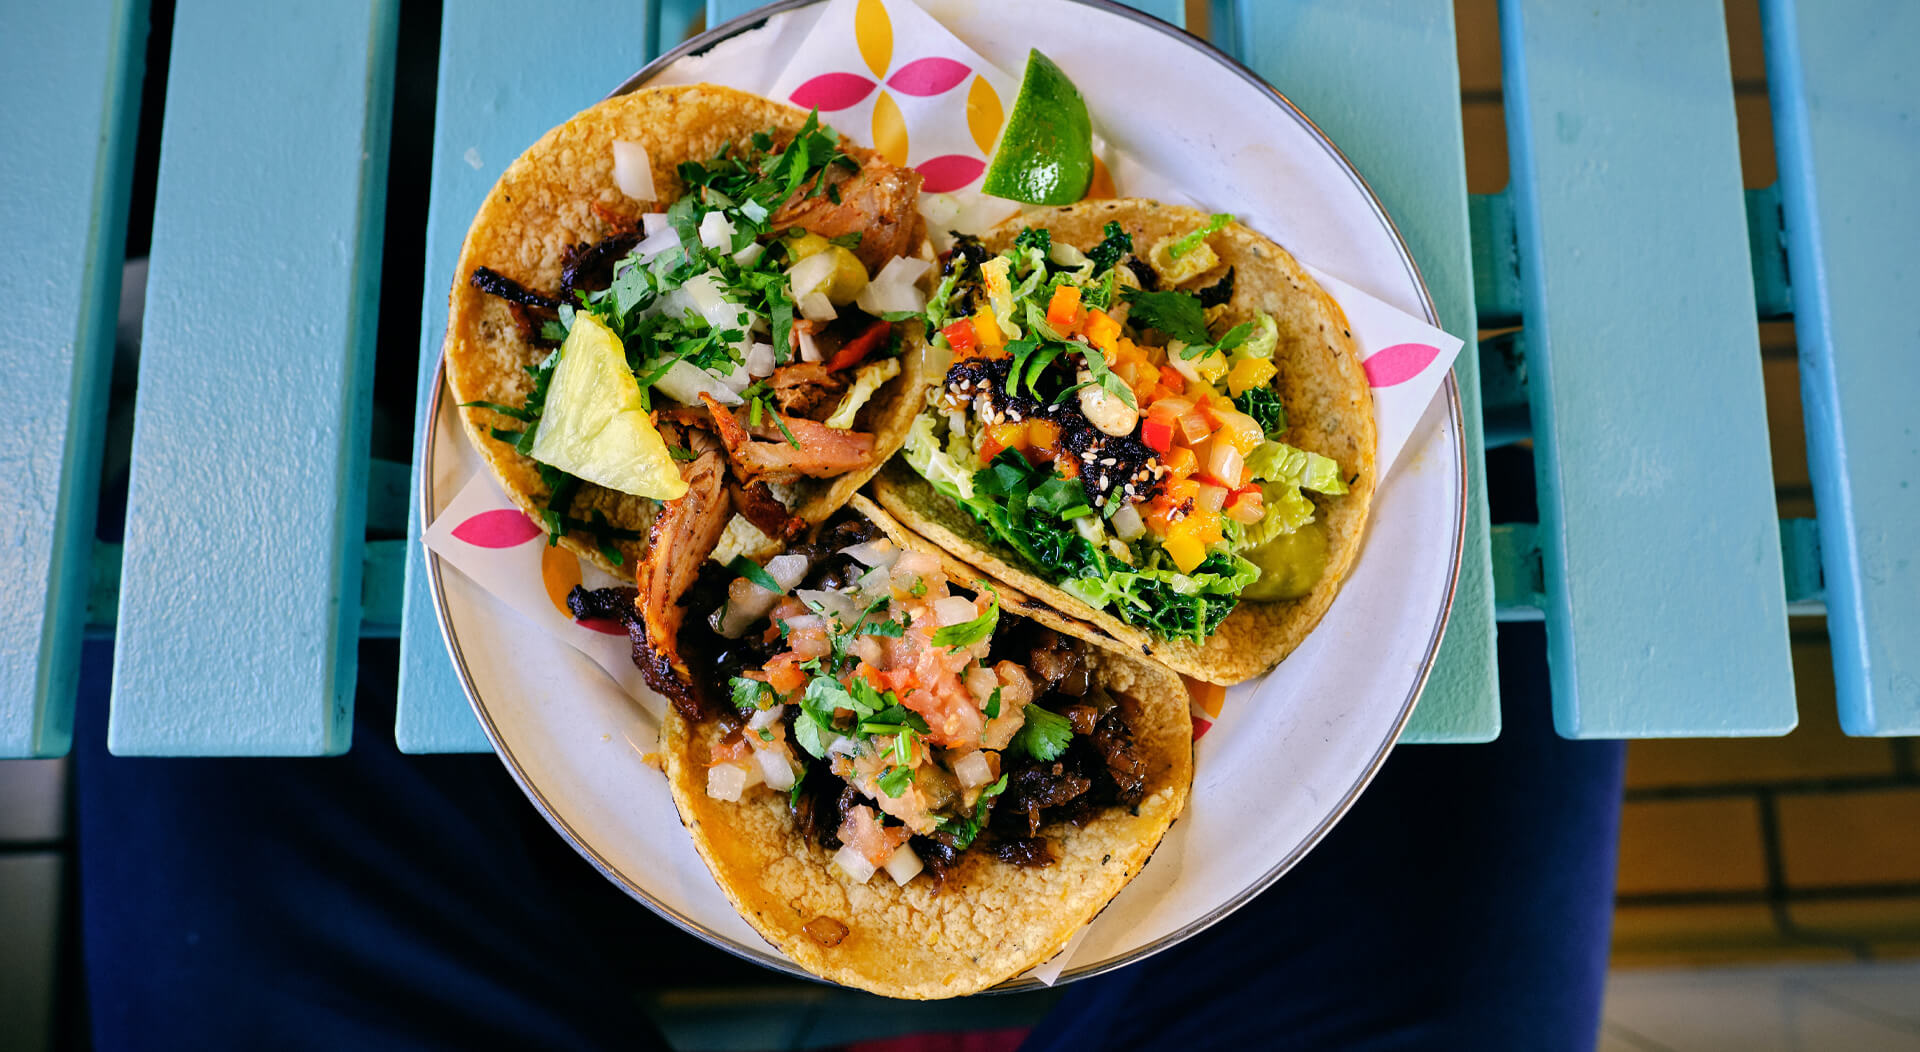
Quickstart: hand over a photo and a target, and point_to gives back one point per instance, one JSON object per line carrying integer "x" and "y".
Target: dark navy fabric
{"x": 382, "y": 901}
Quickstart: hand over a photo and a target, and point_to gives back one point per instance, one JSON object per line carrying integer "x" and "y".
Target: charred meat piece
{"x": 1031, "y": 790}
{"x": 937, "y": 852}
{"x": 589, "y": 268}
{"x": 1144, "y": 273}
{"x": 822, "y": 452}
{"x": 1051, "y": 658}
{"x": 494, "y": 283}
{"x": 683, "y": 535}
{"x": 755, "y": 501}
{"x": 878, "y": 202}
{"x": 1023, "y": 851}
{"x": 807, "y": 389}
{"x": 1219, "y": 292}
{"x": 602, "y": 604}
{"x": 1113, "y": 739}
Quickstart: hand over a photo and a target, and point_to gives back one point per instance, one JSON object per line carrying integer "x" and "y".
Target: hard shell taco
{"x": 912, "y": 782}
{"x": 682, "y": 270}
{"x": 1154, "y": 420}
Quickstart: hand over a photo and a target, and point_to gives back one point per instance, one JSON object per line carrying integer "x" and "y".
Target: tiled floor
{"x": 1804, "y": 1008}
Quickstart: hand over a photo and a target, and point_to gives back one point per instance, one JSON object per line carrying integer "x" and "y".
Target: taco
{"x": 679, "y": 270}
{"x": 1154, "y": 420}
{"x": 909, "y": 782}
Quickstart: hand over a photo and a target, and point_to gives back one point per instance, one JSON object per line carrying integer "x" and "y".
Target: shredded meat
{"x": 879, "y": 202}
{"x": 807, "y": 389}
{"x": 823, "y": 452}
{"x": 1023, "y": 851}
{"x": 683, "y": 535}
{"x": 603, "y": 604}
{"x": 494, "y": 283}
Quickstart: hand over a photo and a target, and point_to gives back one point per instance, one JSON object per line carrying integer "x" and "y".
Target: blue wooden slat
{"x": 1174, "y": 11}
{"x": 498, "y": 92}
{"x": 239, "y": 606}
{"x": 70, "y": 74}
{"x": 1381, "y": 77}
{"x": 1665, "y": 609}
{"x": 1846, "y": 111}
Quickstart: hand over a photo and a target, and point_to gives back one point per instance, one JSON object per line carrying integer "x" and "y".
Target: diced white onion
{"x": 877, "y": 552}
{"x": 702, "y": 293}
{"x": 766, "y": 718}
{"x": 972, "y": 770}
{"x": 726, "y": 781}
{"x": 1223, "y": 462}
{"x": 843, "y": 746}
{"x": 633, "y": 170}
{"x": 895, "y": 288}
{"x": 684, "y": 382}
{"x": 1127, "y": 523}
{"x": 749, "y": 254}
{"x": 787, "y": 570}
{"x": 981, "y": 683}
{"x": 665, "y": 239}
{"x": 838, "y": 603}
{"x": 954, "y": 610}
{"x": 940, "y": 209}
{"x": 775, "y": 769}
{"x": 803, "y": 622}
{"x": 868, "y": 649}
{"x": 738, "y": 379}
{"x": 654, "y": 222}
{"x": 716, "y": 231}
{"x": 814, "y": 306}
{"x": 754, "y": 210}
{"x": 812, "y": 274}
{"x": 853, "y": 864}
{"x": 809, "y": 351}
{"x": 903, "y": 865}
{"x": 875, "y": 583}
{"x": 760, "y": 360}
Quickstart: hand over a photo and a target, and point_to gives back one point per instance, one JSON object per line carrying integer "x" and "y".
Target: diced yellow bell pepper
{"x": 1185, "y": 550}
{"x": 1249, "y": 373}
{"x": 986, "y": 330}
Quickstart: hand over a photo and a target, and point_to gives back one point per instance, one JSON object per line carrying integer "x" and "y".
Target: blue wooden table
{"x": 1625, "y": 250}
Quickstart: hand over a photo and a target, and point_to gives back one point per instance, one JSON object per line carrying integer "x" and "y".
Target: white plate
{"x": 1292, "y": 750}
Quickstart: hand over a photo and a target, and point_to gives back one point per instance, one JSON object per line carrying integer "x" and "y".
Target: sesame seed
{"x": 1108, "y": 462}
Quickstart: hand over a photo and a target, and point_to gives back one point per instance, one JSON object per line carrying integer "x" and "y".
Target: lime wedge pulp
{"x": 1046, "y": 150}
{"x": 594, "y": 425}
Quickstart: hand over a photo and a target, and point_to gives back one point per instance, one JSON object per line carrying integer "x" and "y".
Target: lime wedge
{"x": 594, "y": 425}
{"x": 1046, "y": 150}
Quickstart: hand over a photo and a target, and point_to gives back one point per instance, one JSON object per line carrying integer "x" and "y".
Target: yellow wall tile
{"x": 1851, "y": 838}
{"x": 1690, "y": 845}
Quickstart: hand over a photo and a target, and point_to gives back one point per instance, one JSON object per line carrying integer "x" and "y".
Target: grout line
{"x": 1753, "y": 896}
{"x": 1614, "y": 1028}
{"x": 1796, "y": 787}
{"x": 1903, "y": 757}
{"x": 1840, "y": 1002}
{"x": 49, "y": 846}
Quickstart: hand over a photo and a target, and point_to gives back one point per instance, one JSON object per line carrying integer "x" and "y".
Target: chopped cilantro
{"x": 748, "y": 693}
{"x": 1234, "y": 337}
{"x": 504, "y": 410}
{"x": 967, "y": 633}
{"x": 1178, "y": 314}
{"x": 793, "y": 795}
{"x": 1045, "y": 734}
{"x": 993, "y": 704}
{"x": 752, "y": 571}
{"x": 896, "y": 780}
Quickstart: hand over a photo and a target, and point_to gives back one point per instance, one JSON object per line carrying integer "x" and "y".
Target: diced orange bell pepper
{"x": 1005, "y": 435}
{"x": 1064, "y": 311}
{"x": 1043, "y": 435}
{"x": 1102, "y": 331}
{"x": 1181, "y": 461}
{"x": 1173, "y": 381}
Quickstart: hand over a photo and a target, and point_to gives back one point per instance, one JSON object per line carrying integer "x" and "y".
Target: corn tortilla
{"x": 989, "y": 921}
{"x": 561, "y": 193}
{"x": 1329, "y": 411}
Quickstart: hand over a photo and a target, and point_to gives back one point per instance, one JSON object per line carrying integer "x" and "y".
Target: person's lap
{"x": 378, "y": 900}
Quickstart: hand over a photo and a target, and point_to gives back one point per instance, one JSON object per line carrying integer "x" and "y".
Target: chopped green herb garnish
{"x": 1045, "y": 734}
{"x": 967, "y": 633}
{"x": 993, "y": 704}
{"x": 752, "y": 571}
{"x": 896, "y": 780}
{"x": 1178, "y": 314}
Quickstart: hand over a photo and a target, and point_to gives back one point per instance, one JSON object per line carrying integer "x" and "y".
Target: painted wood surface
{"x": 71, "y": 76}
{"x": 1665, "y": 607}
{"x": 498, "y": 92}
{"x": 1380, "y": 77}
{"x": 240, "y": 592}
{"x": 1846, "y": 113}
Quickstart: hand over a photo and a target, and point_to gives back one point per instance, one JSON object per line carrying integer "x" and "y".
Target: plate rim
{"x": 765, "y": 954}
